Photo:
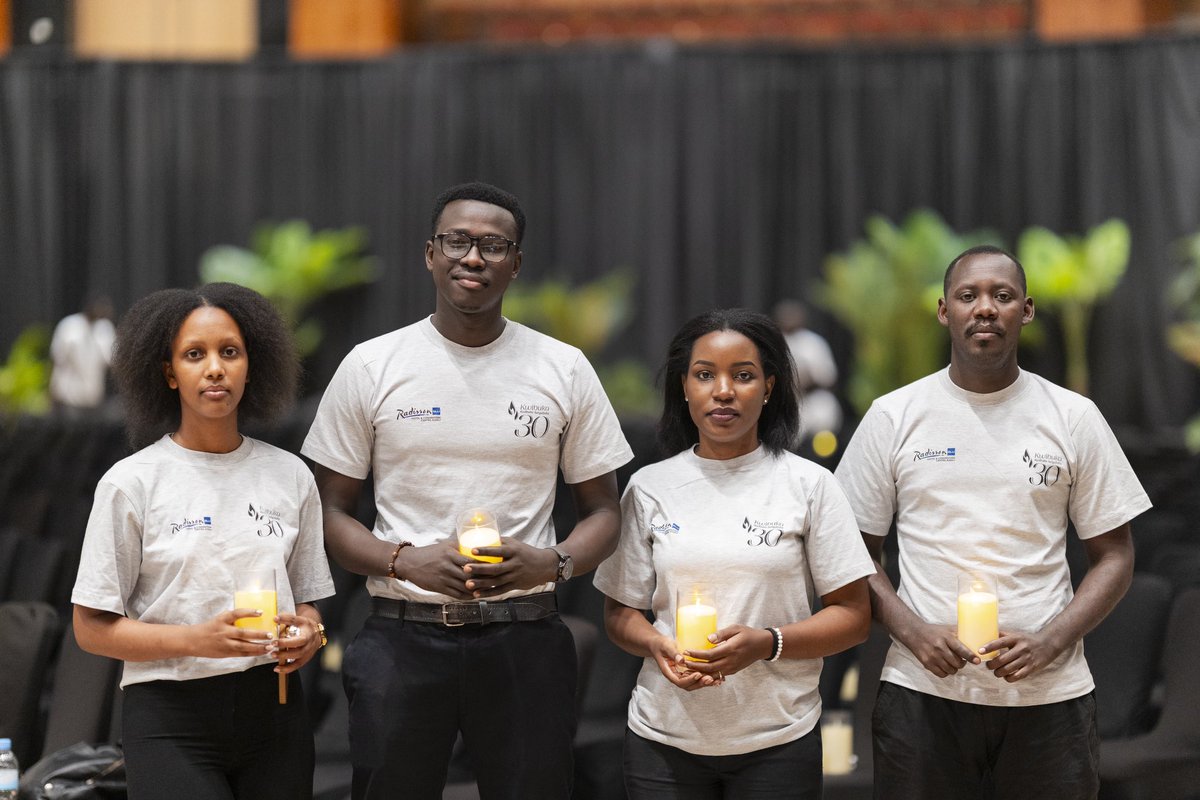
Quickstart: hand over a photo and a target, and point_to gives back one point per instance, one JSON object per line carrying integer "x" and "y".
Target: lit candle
{"x": 264, "y": 599}
{"x": 837, "y": 743}
{"x": 694, "y": 622}
{"x": 978, "y": 618}
{"x": 479, "y": 537}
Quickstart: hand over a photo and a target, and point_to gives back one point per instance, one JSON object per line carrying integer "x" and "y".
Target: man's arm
{"x": 936, "y": 646}
{"x": 1110, "y": 570}
{"x": 593, "y": 539}
{"x": 437, "y": 567}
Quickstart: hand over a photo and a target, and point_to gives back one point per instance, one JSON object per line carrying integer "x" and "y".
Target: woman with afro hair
{"x": 170, "y": 527}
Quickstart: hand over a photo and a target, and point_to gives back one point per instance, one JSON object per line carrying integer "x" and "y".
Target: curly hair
{"x": 144, "y": 342}
{"x": 484, "y": 193}
{"x": 779, "y": 425}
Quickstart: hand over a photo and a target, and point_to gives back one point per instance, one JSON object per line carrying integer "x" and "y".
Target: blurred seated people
{"x": 816, "y": 371}
{"x": 81, "y": 351}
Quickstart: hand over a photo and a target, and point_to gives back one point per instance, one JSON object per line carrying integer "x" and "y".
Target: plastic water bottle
{"x": 8, "y": 771}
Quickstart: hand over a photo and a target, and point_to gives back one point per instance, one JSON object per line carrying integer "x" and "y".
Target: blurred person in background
{"x": 80, "y": 352}
{"x": 816, "y": 370}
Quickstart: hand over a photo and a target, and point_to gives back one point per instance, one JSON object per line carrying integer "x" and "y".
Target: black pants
{"x": 221, "y": 738}
{"x": 791, "y": 771}
{"x": 928, "y": 747}
{"x": 508, "y": 687}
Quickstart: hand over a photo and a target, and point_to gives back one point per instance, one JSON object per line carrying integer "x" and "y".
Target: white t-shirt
{"x": 81, "y": 350}
{"x": 987, "y": 481}
{"x": 170, "y": 527}
{"x": 445, "y": 428}
{"x": 769, "y": 534}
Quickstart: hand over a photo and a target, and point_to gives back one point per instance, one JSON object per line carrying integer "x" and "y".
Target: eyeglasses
{"x": 491, "y": 248}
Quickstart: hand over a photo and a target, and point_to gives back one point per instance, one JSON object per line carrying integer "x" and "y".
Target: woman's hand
{"x": 737, "y": 647}
{"x": 672, "y": 665}
{"x": 220, "y": 638}
{"x": 295, "y": 649}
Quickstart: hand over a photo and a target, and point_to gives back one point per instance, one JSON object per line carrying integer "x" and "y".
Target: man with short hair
{"x": 982, "y": 465}
{"x": 465, "y": 409}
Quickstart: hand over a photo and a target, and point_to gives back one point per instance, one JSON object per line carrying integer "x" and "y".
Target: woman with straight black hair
{"x": 733, "y": 516}
{"x": 203, "y": 715}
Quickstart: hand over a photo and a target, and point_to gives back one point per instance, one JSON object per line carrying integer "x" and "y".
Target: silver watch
{"x": 566, "y": 567}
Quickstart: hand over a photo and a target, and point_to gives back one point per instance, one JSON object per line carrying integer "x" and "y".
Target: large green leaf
{"x": 293, "y": 267}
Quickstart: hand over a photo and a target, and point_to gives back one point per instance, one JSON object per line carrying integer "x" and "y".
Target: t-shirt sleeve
{"x": 1106, "y": 493}
{"x": 627, "y": 576}
{"x": 342, "y": 435}
{"x": 865, "y": 473}
{"x": 593, "y": 443}
{"x": 112, "y": 552}
{"x": 834, "y": 547}
{"x": 307, "y": 565}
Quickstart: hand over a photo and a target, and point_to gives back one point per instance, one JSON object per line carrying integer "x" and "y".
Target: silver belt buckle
{"x": 446, "y": 621}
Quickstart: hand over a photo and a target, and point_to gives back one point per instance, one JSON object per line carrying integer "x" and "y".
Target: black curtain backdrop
{"x": 721, "y": 176}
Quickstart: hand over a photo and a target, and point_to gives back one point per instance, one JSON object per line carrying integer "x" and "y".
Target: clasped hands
{"x": 441, "y": 568}
{"x": 1018, "y": 654}
{"x": 221, "y": 638}
{"x": 737, "y": 647}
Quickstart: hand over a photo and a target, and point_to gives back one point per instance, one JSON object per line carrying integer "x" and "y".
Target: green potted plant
{"x": 1068, "y": 276}
{"x": 885, "y": 289}
{"x": 25, "y": 376}
{"x": 294, "y": 266}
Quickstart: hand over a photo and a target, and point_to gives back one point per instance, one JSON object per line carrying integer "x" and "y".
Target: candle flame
{"x": 978, "y": 586}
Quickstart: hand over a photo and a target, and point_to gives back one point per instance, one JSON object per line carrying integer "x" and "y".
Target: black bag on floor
{"x": 79, "y": 772}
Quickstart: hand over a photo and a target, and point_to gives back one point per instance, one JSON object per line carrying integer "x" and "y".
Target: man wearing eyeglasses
{"x": 463, "y": 410}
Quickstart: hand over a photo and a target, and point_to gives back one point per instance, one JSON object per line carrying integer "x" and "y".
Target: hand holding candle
{"x": 255, "y": 588}
{"x": 477, "y": 528}
{"x": 978, "y": 612}
{"x": 695, "y": 619}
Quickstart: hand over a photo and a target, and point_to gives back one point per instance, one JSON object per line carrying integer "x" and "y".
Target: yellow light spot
{"x": 825, "y": 444}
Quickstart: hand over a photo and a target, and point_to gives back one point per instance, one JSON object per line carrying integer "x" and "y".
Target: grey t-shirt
{"x": 769, "y": 534}
{"x": 445, "y": 428}
{"x": 170, "y": 527}
{"x": 988, "y": 482}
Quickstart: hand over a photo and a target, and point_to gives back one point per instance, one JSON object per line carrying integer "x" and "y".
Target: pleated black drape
{"x": 721, "y": 176}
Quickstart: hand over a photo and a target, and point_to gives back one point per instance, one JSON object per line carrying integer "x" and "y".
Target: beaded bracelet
{"x": 777, "y": 648}
{"x": 391, "y": 568}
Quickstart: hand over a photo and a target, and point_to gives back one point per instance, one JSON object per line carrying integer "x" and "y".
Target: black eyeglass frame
{"x": 475, "y": 240}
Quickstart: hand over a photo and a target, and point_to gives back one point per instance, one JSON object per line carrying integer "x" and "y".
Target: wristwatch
{"x": 321, "y": 630}
{"x": 566, "y": 567}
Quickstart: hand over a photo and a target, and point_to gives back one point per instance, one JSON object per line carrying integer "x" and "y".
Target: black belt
{"x": 525, "y": 608}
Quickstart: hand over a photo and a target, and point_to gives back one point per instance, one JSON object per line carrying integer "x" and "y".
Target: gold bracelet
{"x": 391, "y": 568}
{"x": 321, "y": 631}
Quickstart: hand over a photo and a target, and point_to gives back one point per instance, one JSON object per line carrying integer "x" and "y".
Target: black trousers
{"x": 791, "y": 771}
{"x": 221, "y": 738}
{"x": 928, "y": 747}
{"x": 508, "y": 687}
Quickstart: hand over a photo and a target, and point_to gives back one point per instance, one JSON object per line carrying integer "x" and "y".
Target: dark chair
{"x": 1124, "y": 652}
{"x": 1165, "y": 762}
{"x": 37, "y": 572}
{"x": 83, "y": 696}
{"x": 28, "y": 633}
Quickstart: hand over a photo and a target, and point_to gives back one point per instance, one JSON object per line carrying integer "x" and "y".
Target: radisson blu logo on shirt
{"x": 664, "y": 527}
{"x": 933, "y": 454}
{"x": 189, "y": 525}
{"x": 433, "y": 414}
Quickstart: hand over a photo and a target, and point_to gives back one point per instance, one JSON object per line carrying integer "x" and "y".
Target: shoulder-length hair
{"x": 779, "y": 425}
